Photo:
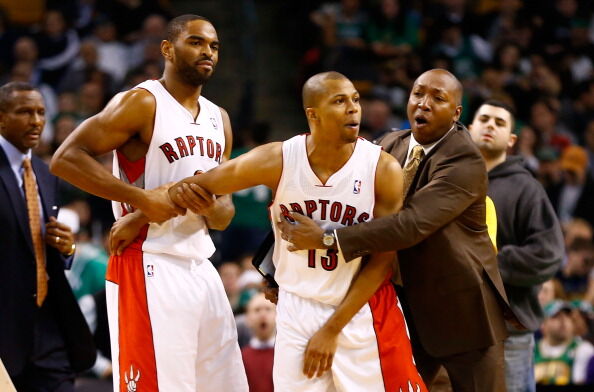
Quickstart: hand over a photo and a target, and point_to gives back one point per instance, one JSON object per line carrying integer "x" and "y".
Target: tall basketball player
{"x": 339, "y": 325}
{"x": 171, "y": 324}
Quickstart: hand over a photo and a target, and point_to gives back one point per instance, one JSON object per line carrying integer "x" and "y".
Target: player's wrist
{"x": 138, "y": 198}
{"x": 70, "y": 250}
{"x": 328, "y": 239}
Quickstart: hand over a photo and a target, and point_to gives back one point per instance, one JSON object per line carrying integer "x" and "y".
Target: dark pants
{"x": 474, "y": 371}
{"x": 48, "y": 369}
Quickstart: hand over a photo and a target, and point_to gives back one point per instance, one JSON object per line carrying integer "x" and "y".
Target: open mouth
{"x": 421, "y": 121}
{"x": 352, "y": 124}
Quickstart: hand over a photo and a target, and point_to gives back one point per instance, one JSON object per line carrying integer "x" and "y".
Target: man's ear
{"x": 311, "y": 114}
{"x": 458, "y": 113}
{"x": 167, "y": 49}
{"x": 513, "y": 138}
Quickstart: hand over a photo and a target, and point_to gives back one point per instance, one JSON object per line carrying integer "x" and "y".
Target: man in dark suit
{"x": 44, "y": 338}
{"x": 451, "y": 284}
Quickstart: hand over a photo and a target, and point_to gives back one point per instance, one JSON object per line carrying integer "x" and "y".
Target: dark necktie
{"x": 31, "y": 195}
{"x": 410, "y": 170}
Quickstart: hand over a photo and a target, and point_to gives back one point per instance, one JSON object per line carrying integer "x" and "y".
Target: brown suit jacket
{"x": 447, "y": 262}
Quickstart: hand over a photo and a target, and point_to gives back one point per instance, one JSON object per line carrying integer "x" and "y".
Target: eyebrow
{"x": 199, "y": 37}
{"x": 433, "y": 89}
{"x": 495, "y": 117}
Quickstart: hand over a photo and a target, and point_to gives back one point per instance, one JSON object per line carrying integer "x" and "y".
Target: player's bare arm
{"x": 125, "y": 123}
{"x": 220, "y": 210}
{"x": 321, "y": 347}
{"x": 260, "y": 166}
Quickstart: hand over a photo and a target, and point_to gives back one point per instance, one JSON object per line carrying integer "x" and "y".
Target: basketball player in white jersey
{"x": 171, "y": 325}
{"x": 339, "y": 325}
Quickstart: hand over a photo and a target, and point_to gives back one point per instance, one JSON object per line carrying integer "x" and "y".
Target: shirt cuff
{"x": 337, "y": 243}
{"x": 68, "y": 261}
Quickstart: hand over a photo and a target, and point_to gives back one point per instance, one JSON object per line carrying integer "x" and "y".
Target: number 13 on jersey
{"x": 328, "y": 262}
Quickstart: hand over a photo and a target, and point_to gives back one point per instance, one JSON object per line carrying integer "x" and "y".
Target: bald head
{"x": 315, "y": 87}
{"x": 451, "y": 83}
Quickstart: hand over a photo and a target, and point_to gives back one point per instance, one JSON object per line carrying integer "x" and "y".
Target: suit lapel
{"x": 401, "y": 149}
{"x": 16, "y": 199}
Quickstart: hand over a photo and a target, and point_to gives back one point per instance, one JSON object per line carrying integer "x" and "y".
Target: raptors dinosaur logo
{"x": 132, "y": 381}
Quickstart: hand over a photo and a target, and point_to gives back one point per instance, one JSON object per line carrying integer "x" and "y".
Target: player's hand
{"x": 271, "y": 294}
{"x": 319, "y": 353}
{"x": 303, "y": 234}
{"x": 59, "y": 236}
{"x": 195, "y": 198}
{"x": 158, "y": 206}
{"x": 124, "y": 231}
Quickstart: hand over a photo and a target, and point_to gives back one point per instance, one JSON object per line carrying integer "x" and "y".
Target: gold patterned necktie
{"x": 31, "y": 195}
{"x": 410, "y": 170}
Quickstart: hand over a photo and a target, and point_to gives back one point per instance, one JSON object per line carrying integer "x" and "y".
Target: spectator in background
{"x": 230, "y": 272}
{"x": 544, "y": 120}
{"x": 377, "y": 118}
{"x": 577, "y": 228}
{"x": 258, "y": 355}
{"x": 529, "y": 238}
{"x": 86, "y": 68}
{"x": 153, "y": 31}
{"x": 58, "y": 46}
{"x": 91, "y": 99}
{"x": 575, "y": 273}
{"x": 572, "y": 196}
{"x": 549, "y": 291}
{"x": 561, "y": 357}
{"x": 526, "y": 148}
{"x": 342, "y": 26}
{"x": 581, "y": 114}
{"x": 467, "y": 53}
{"x": 393, "y": 30}
{"x": 113, "y": 56}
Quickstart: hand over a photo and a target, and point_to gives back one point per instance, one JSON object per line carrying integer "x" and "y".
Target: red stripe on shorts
{"x": 395, "y": 352}
{"x": 137, "y": 353}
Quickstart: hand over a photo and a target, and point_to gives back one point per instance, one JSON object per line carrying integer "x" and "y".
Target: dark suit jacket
{"x": 18, "y": 310}
{"x": 447, "y": 261}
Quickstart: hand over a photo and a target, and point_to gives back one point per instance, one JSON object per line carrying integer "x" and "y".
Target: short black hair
{"x": 178, "y": 24}
{"x": 9, "y": 88}
{"x": 313, "y": 88}
{"x": 503, "y": 105}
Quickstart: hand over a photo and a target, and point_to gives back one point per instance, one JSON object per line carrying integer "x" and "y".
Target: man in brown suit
{"x": 451, "y": 283}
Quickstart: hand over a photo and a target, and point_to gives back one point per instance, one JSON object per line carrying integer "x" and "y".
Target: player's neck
{"x": 184, "y": 93}
{"x": 328, "y": 157}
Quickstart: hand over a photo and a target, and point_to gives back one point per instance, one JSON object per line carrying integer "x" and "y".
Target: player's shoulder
{"x": 136, "y": 99}
{"x": 388, "y": 162}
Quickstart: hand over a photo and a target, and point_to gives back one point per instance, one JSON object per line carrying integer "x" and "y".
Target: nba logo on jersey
{"x": 357, "y": 187}
{"x": 214, "y": 123}
{"x": 150, "y": 270}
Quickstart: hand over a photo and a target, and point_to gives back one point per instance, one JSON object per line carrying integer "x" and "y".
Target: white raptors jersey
{"x": 179, "y": 148}
{"x": 347, "y": 198}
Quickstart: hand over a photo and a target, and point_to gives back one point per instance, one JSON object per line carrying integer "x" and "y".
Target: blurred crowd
{"x": 535, "y": 55}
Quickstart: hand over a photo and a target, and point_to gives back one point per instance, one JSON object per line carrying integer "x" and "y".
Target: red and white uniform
{"x": 374, "y": 352}
{"x": 171, "y": 325}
